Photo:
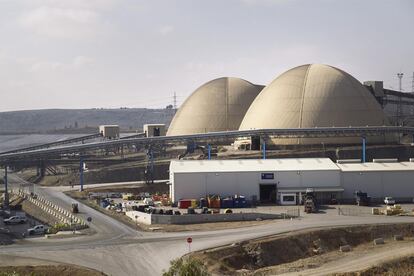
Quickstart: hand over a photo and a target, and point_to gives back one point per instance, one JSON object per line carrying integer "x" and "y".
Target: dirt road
{"x": 355, "y": 261}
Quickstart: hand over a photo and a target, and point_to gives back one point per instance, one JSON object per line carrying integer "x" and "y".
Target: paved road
{"x": 117, "y": 249}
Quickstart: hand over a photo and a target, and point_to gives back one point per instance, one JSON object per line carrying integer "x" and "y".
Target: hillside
{"x": 79, "y": 120}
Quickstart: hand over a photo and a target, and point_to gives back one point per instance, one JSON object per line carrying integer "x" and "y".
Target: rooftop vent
{"x": 348, "y": 161}
{"x": 385, "y": 160}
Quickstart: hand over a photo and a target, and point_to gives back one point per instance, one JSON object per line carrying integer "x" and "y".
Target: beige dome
{"x": 217, "y": 105}
{"x": 314, "y": 95}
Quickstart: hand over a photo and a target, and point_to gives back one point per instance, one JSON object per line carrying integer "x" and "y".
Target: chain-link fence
{"x": 291, "y": 213}
{"x": 348, "y": 211}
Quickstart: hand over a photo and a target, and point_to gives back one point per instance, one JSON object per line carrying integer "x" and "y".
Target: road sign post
{"x": 189, "y": 241}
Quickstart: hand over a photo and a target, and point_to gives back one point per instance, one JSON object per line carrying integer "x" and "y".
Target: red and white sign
{"x": 189, "y": 240}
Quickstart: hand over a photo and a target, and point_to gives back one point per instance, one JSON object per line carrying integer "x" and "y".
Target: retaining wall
{"x": 197, "y": 218}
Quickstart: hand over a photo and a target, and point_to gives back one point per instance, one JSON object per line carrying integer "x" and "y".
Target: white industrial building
{"x": 379, "y": 179}
{"x": 284, "y": 181}
{"x": 270, "y": 180}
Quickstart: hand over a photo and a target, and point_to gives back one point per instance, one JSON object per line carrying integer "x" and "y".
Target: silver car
{"x": 15, "y": 220}
{"x": 37, "y": 230}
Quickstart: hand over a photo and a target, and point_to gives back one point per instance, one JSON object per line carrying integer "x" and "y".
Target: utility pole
{"x": 175, "y": 102}
{"x": 412, "y": 84}
{"x": 399, "y": 105}
{"x": 400, "y": 76}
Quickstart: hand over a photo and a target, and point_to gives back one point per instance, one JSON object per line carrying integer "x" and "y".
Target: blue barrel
{"x": 240, "y": 202}
{"x": 227, "y": 203}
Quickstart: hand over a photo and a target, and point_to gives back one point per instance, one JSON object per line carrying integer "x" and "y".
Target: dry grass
{"x": 49, "y": 270}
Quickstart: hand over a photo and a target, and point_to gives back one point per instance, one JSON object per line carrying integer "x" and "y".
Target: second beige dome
{"x": 314, "y": 95}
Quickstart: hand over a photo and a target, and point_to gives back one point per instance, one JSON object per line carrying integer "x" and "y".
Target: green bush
{"x": 9, "y": 274}
{"x": 58, "y": 227}
{"x": 186, "y": 267}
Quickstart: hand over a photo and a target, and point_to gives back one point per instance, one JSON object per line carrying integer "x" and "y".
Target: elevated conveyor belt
{"x": 55, "y": 144}
{"x": 141, "y": 134}
{"x": 212, "y": 136}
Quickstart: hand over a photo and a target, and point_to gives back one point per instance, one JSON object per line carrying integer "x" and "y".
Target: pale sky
{"x": 131, "y": 53}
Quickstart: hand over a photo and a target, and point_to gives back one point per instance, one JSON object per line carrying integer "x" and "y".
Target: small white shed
{"x": 109, "y": 131}
{"x": 153, "y": 130}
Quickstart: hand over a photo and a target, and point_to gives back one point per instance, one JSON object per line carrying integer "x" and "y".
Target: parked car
{"x": 389, "y": 200}
{"x": 148, "y": 201}
{"x": 37, "y": 230}
{"x": 15, "y": 220}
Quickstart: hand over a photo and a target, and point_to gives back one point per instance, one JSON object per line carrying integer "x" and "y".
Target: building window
{"x": 289, "y": 198}
{"x": 268, "y": 176}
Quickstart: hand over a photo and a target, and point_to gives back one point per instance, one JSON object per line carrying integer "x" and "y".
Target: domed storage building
{"x": 217, "y": 105}
{"x": 315, "y": 95}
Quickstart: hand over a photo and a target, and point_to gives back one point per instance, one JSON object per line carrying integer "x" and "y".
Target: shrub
{"x": 9, "y": 273}
{"x": 187, "y": 267}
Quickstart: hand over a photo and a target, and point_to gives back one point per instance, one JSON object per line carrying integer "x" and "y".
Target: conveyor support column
{"x": 6, "y": 190}
{"x": 264, "y": 149}
{"x": 363, "y": 150}
{"x": 81, "y": 174}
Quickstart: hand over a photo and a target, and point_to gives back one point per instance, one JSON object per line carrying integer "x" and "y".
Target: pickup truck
{"x": 15, "y": 220}
{"x": 37, "y": 230}
{"x": 389, "y": 201}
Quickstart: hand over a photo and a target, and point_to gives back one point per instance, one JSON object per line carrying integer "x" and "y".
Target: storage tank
{"x": 217, "y": 105}
{"x": 315, "y": 95}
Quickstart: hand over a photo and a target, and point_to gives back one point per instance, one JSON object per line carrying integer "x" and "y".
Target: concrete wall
{"x": 199, "y": 218}
{"x": 378, "y": 185}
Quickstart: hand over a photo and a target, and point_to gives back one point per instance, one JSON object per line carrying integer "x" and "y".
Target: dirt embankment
{"x": 107, "y": 174}
{"x": 248, "y": 257}
{"x": 134, "y": 189}
{"x": 403, "y": 266}
{"x": 49, "y": 270}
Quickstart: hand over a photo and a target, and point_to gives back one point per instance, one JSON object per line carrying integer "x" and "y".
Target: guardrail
{"x": 61, "y": 214}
